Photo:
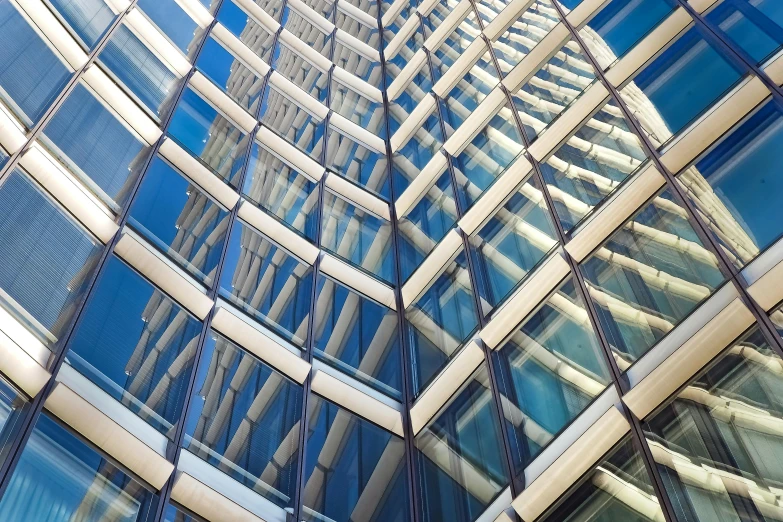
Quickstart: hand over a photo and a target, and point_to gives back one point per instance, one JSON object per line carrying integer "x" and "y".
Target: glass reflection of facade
{"x": 391, "y": 260}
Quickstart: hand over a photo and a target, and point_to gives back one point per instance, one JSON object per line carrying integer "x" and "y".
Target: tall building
{"x": 391, "y": 260}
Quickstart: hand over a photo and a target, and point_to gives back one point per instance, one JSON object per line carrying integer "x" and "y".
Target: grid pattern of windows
{"x": 391, "y": 260}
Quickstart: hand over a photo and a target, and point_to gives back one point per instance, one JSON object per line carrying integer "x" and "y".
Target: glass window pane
{"x": 87, "y": 19}
{"x": 722, "y": 430}
{"x": 440, "y": 321}
{"x": 267, "y": 283}
{"x": 361, "y": 110}
{"x": 465, "y": 97}
{"x": 550, "y": 370}
{"x": 648, "y": 277}
{"x": 359, "y": 65}
{"x": 272, "y": 184}
{"x": 176, "y": 514}
{"x": 459, "y": 456}
{"x": 413, "y": 155}
{"x": 354, "y": 470}
{"x": 273, "y": 8}
{"x": 731, "y": 185}
{"x": 524, "y": 34}
{"x": 256, "y": 36}
{"x": 680, "y": 84}
{"x": 293, "y": 66}
{"x": 13, "y": 408}
{"x": 209, "y": 136}
{"x": 236, "y": 79}
{"x": 364, "y": 33}
{"x": 244, "y": 420}
{"x": 59, "y": 478}
{"x": 358, "y": 336}
{"x": 754, "y": 25}
{"x": 512, "y": 243}
{"x": 31, "y": 74}
{"x": 617, "y": 488}
{"x": 358, "y": 163}
{"x": 455, "y": 45}
{"x": 591, "y": 165}
{"x": 140, "y": 70}
{"x": 397, "y": 62}
{"x": 174, "y": 23}
{"x": 96, "y": 146}
{"x": 293, "y": 123}
{"x": 179, "y": 219}
{"x": 311, "y": 35}
{"x": 357, "y": 236}
{"x": 43, "y": 252}
{"x": 137, "y": 345}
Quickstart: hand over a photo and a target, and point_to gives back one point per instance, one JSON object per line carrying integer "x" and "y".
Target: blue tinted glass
{"x": 235, "y": 79}
{"x": 358, "y": 336}
{"x": 358, "y": 163}
{"x": 359, "y": 65}
{"x": 301, "y": 72}
{"x": 43, "y": 252}
{"x": 137, "y": 345}
{"x": 420, "y": 148}
{"x": 731, "y": 186}
{"x": 258, "y": 38}
{"x": 89, "y": 19}
{"x": 31, "y": 75}
{"x": 61, "y": 479}
{"x": 176, "y": 514}
{"x": 209, "y": 136}
{"x": 311, "y": 35}
{"x": 267, "y": 283}
{"x": 139, "y": 69}
{"x": 292, "y": 122}
{"x": 245, "y": 420}
{"x": 756, "y": 26}
{"x": 464, "y": 98}
{"x": 459, "y": 457}
{"x": 681, "y": 83}
{"x": 363, "y": 32}
{"x": 361, "y": 110}
{"x": 364, "y": 479}
{"x": 174, "y": 22}
{"x": 13, "y": 407}
{"x": 178, "y": 218}
{"x": 96, "y": 146}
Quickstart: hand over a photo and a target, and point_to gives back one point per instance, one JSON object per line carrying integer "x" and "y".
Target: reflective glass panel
{"x": 680, "y": 84}
{"x": 137, "y": 345}
{"x": 354, "y": 470}
{"x": 358, "y": 163}
{"x": 455, "y": 46}
{"x": 311, "y": 35}
{"x": 414, "y": 154}
{"x": 257, "y": 37}
{"x": 179, "y": 219}
{"x": 59, "y": 478}
{"x": 357, "y": 236}
{"x": 299, "y": 127}
{"x": 363, "y": 32}
{"x": 524, "y": 34}
{"x": 465, "y": 97}
{"x": 207, "y": 134}
{"x": 174, "y": 23}
{"x": 273, "y": 8}
{"x": 358, "y": 64}
{"x": 245, "y": 419}
{"x": 718, "y": 444}
{"x": 241, "y": 83}
{"x": 275, "y": 186}
{"x": 549, "y": 370}
{"x": 358, "y": 336}
{"x": 43, "y": 252}
{"x": 754, "y": 25}
{"x": 731, "y": 186}
{"x": 301, "y": 72}
{"x": 459, "y": 456}
{"x": 360, "y": 109}
{"x": 13, "y": 407}
{"x": 396, "y": 63}
{"x": 96, "y": 146}
{"x": 648, "y": 277}
{"x": 267, "y": 283}
{"x": 87, "y": 19}
{"x": 176, "y": 514}
{"x": 440, "y": 321}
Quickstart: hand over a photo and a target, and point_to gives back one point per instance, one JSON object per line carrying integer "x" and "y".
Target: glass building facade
{"x": 391, "y": 260}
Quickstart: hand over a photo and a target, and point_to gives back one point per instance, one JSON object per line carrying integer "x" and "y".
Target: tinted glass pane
{"x": 61, "y": 479}
{"x": 358, "y": 163}
{"x": 301, "y": 72}
{"x": 182, "y": 221}
{"x": 96, "y": 146}
{"x": 307, "y": 32}
{"x": 550, "y": 369}
{"x": 460, "y": 486}
{"x": 358, "y": 64}
{"x": 175, "y": 514}
{"x": 173, "y": 22}
{"x": 88, "y": 19}
{"x": 363, "y": 32}
{"x": 358, "y": 108}
{"x": 465, "y": 97}
{"x": 237, "y": 80}
{"x": 292, "y": 122}
{"x": 137, "y": 345}
{"x": 244, "y": 420}
{"x": 257, "y": 37}
{"x": 354, "y": 470}
{"x": 524, "y": 34}
{"x": 43, "y": 252}
{"x": 754, "y": 25}
{"x": 13, "y": 407}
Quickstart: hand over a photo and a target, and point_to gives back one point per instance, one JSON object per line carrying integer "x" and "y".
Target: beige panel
{"x": 767, "y": 290}
{"x": 421, "y": 184}
{"x": 305, "y": 50}
{"x": 426, "y": 7}
{"x": 208, "y": 503}
{"x": 545, "y": 49}
{"x": 658, "y": 38}
{"x": 358, "y": 280}
{"x": 143, "y": 28}
{"x": 475, "y": 122}
{"x": 164, "y": 275}
{"x": 196, "y": 11}
{"x": 492, "y": 198}
{"x": 592, "y": 98}
{"x": 443, "y": 254}
{"x": 358, "y": 14}
{"x": 774, "y": 69}
{"x": 689, "y": 358}
{"x": 393, "y": 12}
{"x": 607, "y": 218}
{"x": 357, "y": 84}
{"x": 448, "y": 25}
{"x": 584, "y": 11}
{"x": 118, "y": 6}
{"x": 221, "y": 100}
{"x": 533, "y": 291}
{"x": 17, "y": 361}
{"x": 701, "y": 5}
{"x": 413, "y": 122}
{"x": 505, "y": 516}
{"x": 108, "y": 435}
{"x": 402, "y": 36}
{"x": 69, "y": 191}
{"x": 12, "y": 134}
{"x": 47, "y": 24}
{"x": 296, "y": 158}
{"x": 571, "y": 465}
{"x": 279, "y": 233}
{"x": 357, "y": 132}
{"x": 358, "y": 197}
{"x": 456, "y": 72}
{"x": 198, "y": 173}
{"x": 408, "y": 72}
{"x": 714, "y": 124}
{"x": 259, "y": 343}
{"x": 352, "y": 399}
{"x": 445, "y": 385}
{"x": 505, "y": 18}
{"x": 357, "y": 45}
{"x": 240, "y": 50}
